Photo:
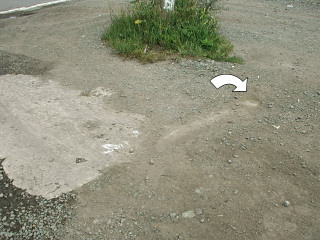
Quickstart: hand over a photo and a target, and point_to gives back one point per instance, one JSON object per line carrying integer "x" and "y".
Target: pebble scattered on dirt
{"x": 236, "y": 166}
{"x": 286, "y": 203}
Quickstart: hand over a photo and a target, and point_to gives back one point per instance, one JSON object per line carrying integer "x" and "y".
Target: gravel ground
{"x": 23, "y": 216}
{"x": 211, "y": 164}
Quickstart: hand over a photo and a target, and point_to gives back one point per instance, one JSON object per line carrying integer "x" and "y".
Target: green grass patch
{"x": 149, "y": 33}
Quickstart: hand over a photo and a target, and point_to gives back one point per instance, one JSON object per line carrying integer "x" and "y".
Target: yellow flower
{"x": 138, "y": 21}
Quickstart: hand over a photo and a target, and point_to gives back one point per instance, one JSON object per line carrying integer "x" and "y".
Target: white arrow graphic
{"x": 241, "y": 86}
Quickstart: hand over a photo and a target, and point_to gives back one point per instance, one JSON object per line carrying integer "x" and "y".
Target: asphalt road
{"x": 12, "y": 4}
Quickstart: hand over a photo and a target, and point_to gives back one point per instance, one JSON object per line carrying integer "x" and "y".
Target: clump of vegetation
{"x": 149, "y": 33}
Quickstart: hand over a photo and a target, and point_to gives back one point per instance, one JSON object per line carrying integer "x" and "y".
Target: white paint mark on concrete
{"x": 111, "y": 147}
{"x": 173, "y": 133}
{"x": 136, "y": 133}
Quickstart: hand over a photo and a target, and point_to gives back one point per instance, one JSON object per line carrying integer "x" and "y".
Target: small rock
{"x": 151, "y": 162}
{"x": 136, "y": 194}
{"x": 101, "y": 135}
{"x": 198, "y": 191}
{"x": 2, "y": 158}
{"x": 173, "y": 215}
{"x": 131, "y": 150}
{"x": 235, "y": 192}
{"x": 188, "y": 214}
{"x": 202, "y": 220}
{"x": 286, "y": 203}
{"x": 80, "y": 160}
{"x": 229, "y": 161}
{"x": 96, "y": 221}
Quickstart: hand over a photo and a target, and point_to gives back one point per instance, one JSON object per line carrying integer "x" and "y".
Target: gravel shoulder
{"x": 198, "y": 163}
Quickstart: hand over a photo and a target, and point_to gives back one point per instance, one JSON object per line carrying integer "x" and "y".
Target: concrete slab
{"x": 55, "y": 139}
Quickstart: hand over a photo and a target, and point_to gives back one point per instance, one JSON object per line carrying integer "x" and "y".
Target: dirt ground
{"x": 195, "y": 162}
